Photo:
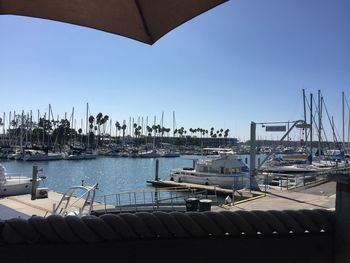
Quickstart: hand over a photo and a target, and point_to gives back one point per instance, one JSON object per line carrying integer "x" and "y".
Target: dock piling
{"x": 34, "y": 181}
{"x": 342, "y": 216}
{"x": 156, "y": 178}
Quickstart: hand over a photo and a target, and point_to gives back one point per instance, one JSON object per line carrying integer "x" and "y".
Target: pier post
{"x": 252, "y": 153}
{"x": 34, "y": 181}
{"x": 342, "y": 216}
{"x": 156, "y": 178}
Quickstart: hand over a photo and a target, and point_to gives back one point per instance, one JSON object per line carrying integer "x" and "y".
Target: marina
{"x": 93, "y": 166}
{"x": 155, "y": 191}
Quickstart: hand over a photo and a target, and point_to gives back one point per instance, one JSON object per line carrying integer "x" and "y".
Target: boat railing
{"x": 21, "y": 176}
{"x": 77, "y": 200}
{"x": 170, "y": 199}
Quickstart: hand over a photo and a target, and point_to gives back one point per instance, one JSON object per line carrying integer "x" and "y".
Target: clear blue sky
{"x": 243, "y": 61}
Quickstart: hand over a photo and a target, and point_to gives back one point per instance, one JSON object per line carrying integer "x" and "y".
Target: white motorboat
{"x": 226, "y": 171}
{"x": 11, "y": 184}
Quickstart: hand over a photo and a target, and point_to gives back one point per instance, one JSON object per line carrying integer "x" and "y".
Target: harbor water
{"x": 113, "y": 174}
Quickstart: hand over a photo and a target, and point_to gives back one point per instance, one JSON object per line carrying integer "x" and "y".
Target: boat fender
{"x": 228, "y": 200}
{"x": 2, "y": 175}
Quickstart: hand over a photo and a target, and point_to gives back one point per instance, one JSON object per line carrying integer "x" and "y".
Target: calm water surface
{"x": 113, "y": 174}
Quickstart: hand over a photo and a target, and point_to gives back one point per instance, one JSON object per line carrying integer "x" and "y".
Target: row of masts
{"x": 27, "y": 120}
{"x": 23, "y": 129}
{"x": 316, "y": 122}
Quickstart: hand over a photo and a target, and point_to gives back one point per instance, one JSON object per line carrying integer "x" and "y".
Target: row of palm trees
{"x": 45, "y": 131}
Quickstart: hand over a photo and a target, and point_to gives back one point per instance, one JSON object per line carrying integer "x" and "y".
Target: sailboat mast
{"x": 110, "y": 129}
{"x": 31, "y": 128}
{"x": 173, "y": 121}
{"x": 48, "y": 132}
{"x": 304, "y": 103}
{"x": 162, "y": 128}
{"x": 311, "y": 122}
{"x": 87, "y": 123}
{"x": 38, "y": 139}
{"x": 3, "y": 122}
{"x": 21, "y": 131}
{"x": 319, "y": 122}
{"x": 343, "y": 117}
{"x": 72, "y": 127}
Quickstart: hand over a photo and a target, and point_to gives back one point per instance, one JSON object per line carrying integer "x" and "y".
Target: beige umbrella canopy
{"x": 142, "y": 20}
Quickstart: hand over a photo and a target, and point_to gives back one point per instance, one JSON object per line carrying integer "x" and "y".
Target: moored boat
{"x": 39, "y": 155}
{"x": 149, "y": 154}
{"x": 226, "y": 171}
{"x": 11, "y": 184}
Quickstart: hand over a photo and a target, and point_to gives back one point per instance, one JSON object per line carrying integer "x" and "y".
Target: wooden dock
{"x": 214, "y": 189}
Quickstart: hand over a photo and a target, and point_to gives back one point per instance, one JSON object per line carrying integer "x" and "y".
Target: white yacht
{"x": 15, "y": 184}
{"x": 226, "y": 171}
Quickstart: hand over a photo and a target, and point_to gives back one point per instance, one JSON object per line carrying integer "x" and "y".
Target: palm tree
{"x": 154, "y": 128}
{"x": 1, "y": 123}
{"x": 117, "y": 128}
{"x": 135, "y": 129}
{"x": 212, "y": 131}
{"x": 80, "y": 131}
{"x": 91, "y": 126}
{"x": 103, "y": 121}
{"x": 124, "y": 128}
{"x": 149, "y": 131}
{"x": 99, "y": 118}
{"x": 91, "y": 121}
{"x": 226, "y": 133}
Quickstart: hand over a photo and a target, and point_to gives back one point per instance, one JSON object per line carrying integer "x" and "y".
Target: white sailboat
{"x": 39, "y": 155}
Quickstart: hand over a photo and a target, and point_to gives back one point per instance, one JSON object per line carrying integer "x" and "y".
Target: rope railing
{"x": 162, "y": 225}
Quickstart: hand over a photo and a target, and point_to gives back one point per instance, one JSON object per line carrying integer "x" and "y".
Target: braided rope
{"x": 143, "y": 225}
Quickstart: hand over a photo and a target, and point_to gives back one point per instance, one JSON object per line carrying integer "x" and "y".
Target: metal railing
{"x": 290, "y": 181}
{"x": 151, "y": 199}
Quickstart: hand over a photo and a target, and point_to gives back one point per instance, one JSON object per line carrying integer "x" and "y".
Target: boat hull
{"x": 17, "y": 186}
{"x": 238, "y": 181}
